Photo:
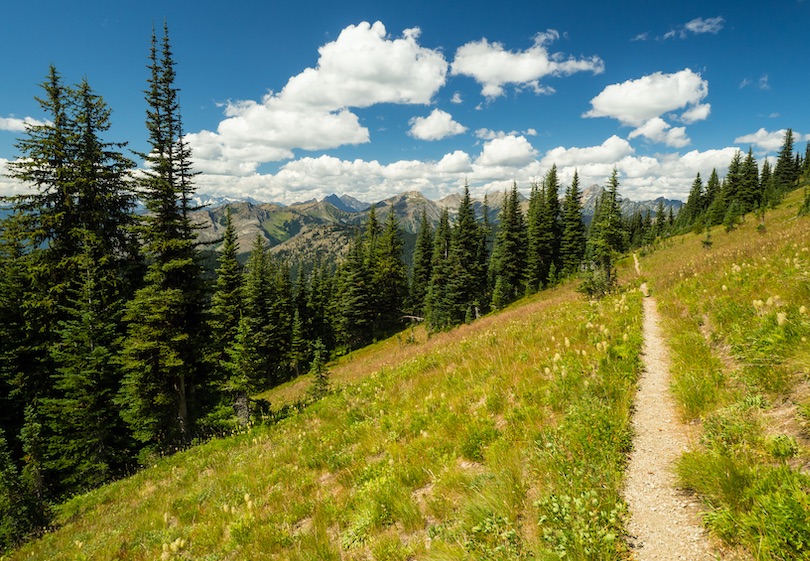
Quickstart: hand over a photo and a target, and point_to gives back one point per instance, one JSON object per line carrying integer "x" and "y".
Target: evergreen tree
{"x": 319, "y": 372}
{"x": 712, "y": 191}
{"x": 465, "y": 285}
{"x": 605, "y": 241}
{"x": 163, "y": 365}
{"x": 420, "y": 278}
{"x": 437, "y": 309}
{"x": 537, "y": 257}
{"x": 509, "y": 252}
{"x": 89, "y": 446}
{"x": 660, "y": 219}
{"x": 389, "y": 278}
{"x": 785, "y": 173}
{"x": 690, "y": 211}
{"x": 572, "y": 240}
{"x": 750, "y": 193}
{"x": 226, "y": 301}
{"x": 353, "y": 313}
{"x": 732, "y": 185}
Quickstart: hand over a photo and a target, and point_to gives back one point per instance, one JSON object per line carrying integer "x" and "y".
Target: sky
{"x": 289, "y": 101}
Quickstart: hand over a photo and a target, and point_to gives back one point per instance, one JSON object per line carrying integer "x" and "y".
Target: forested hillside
{"x": 116, "y": 349}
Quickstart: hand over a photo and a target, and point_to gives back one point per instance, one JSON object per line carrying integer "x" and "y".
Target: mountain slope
{"x": 451, "y": 446}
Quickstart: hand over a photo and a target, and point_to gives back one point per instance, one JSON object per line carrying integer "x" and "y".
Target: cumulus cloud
{"x": 456, "y": 98}
{"x": 15, "y": 124}
{"x": 492, "y": 66}
{"x": 360, "y": 68}
{"x": 635, "y": 102}
{"x": 610, "y": 151}
{"x": 658, "y": 130}
{"x": 769, "y": 141}
{"x": 436, "y": 126}
{"x": 501, "y": 161}
{"x": 508, "y": 151}
{"x": 699, "y": 112}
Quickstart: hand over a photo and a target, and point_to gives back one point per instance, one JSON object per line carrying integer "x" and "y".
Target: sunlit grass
{"x": 503, "y": 439}
{"x": 736, "y": 319}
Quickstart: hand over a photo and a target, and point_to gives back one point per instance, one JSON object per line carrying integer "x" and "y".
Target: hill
{"x": 505, "y": 438}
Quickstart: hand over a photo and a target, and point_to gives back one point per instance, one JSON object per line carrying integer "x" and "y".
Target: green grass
{"x": 504, "y": 439}
{"x": 737, "y": 321}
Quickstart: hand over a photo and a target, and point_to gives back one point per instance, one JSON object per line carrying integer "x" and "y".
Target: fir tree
{"x": 690, "y": 211}
{"x": 572, "y": 240}
{"x": 785, "y": 173}
{"x": 163, "y": 365}
{"x": 420, "y": 278}
{"x": 750, "y": 193}
{"x": 226, "y": 301}
{"x": 437, "y": 309}
{"x": 389, "y": 277}
{"x": 509, "y": 252}
{"x": 465, "y": 285}
{"x": 605, "y": 241}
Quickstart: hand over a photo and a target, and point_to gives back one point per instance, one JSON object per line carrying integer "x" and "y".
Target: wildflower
{"x": 724, "y": 288}
{"x": 803, "y": 310}
{"x": 781, "y": 318}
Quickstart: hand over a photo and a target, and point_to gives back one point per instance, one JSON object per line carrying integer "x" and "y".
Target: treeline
{"x": 746, "y": 188}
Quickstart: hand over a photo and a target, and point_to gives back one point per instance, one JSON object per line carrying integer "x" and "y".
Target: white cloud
{"x": 707, "y": 25}
{"x": 436, "y": 126}
{"x": 658, "y": 130}
{"x": 610, "y": 151}
{"x": 697, "y": 26}
{"x": 14, "y": 124}
{"x": 489, "y": 134}
{"x": 457, "y": 162}
{"x": 492, "y": 66}
{"x": 456, "y": 98}
{"x": 501, "y": 161}
{"x": 641, "y": 36}
{"x": 635, "y": 102}
{"x": 699, "y": 112}
{"x": 770, "y": 141}
{"x": 362, "y": 67}
{"x": 508, "y": 151}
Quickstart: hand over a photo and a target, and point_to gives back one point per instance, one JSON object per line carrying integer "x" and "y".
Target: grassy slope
{"x": 505, "y": 439}
{"x": 738, "y": 323}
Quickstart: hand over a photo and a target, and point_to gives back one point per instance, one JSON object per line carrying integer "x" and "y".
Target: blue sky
{"x": 295, "y": 101}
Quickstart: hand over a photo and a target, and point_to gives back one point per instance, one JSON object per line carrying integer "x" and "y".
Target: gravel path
{"x": 664, "y": 521}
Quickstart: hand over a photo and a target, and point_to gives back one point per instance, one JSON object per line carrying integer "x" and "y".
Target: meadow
{"x": 506, "y": 438}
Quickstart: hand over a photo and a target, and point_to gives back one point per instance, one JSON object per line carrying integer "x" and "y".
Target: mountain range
{"x": 321, "y": 231}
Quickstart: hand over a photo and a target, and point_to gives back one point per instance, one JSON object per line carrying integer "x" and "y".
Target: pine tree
{"x": 420, "y": 278}
{"x": 660, "y": 219}
{"x": 572, "y": 240}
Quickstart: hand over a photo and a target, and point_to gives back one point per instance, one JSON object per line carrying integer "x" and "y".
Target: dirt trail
{"x": 664, "y": 521}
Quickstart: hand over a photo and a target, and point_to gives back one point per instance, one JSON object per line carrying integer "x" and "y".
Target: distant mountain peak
{"x": 346, "y": 203}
